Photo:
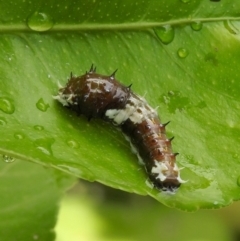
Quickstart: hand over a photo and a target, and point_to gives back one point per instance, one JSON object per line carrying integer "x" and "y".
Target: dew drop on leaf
{"x": 8, "y": 159}
{"x": 38, "y": 127}
{"x": 175, "y": 101}
{"x": 182, "y": 53}
{"x": 197, "y": 25}
{"x": 45, "y": 145}
{"x": 6, "y": 106}
{"x": 165, "y": 33}
{"x": 2, "y": 121}
{"x": 19, "y": 136}
{"x": 41, "y": 105}
{"x": 235, "y": 156}
{"x": 230, "y": 27}
{"x": 39, "y": 21}
{"x": 185, "y": 1}
{"x": 72, "y": 144}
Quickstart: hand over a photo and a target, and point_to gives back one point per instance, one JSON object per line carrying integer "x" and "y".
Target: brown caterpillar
{"x": 100, "y": 96}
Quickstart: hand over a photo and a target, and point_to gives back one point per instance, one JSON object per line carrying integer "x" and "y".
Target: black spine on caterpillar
{"x": 100, "y": 96}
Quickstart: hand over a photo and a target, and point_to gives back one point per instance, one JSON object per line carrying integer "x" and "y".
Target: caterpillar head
{"x": 166, "y": 177}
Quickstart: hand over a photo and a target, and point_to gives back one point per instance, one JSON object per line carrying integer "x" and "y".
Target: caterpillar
{"x": 99, "y": 96}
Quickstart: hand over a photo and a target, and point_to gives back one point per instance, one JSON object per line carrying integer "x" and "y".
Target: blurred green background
{"x": 93, "y": 212}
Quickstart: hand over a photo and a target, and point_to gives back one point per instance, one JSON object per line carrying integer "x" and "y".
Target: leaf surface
{"x": 182, "y": 56}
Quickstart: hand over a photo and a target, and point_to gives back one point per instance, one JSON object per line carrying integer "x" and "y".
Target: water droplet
{"x": 72, "y": 144}
{"x": 41, "y": 105}
{"x": 197, "y": 25}
{"x": 185, "y": 1}
{"x": 39, "y": 22}
{"x": 182, "y": 53}
{"x": 238, "y": 181}
{"x": 235, "y": 156}
{"x": 6, "y": 106}
{"x": 18, "y": 136}
{"x": 211, "y": 58}
{"x": 38, "y": 127}
{"x": 8, "y": 159}
{"x": 45, "y": 145}
{"x": 165, "y": 34}
{"x": 2, "y": 121}
{"x": 230, "y": 27}
{"x": 175, "y": 101}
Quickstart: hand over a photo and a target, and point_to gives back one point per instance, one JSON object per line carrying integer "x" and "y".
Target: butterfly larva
{"x": 100, "y": 96}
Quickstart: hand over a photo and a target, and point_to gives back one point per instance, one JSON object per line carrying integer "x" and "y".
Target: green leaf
{"x": 29, "y": 200}
{"x": 193, "y": 79}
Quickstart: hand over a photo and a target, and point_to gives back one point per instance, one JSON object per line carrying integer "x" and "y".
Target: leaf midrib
{"x": 5, "y": 28}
